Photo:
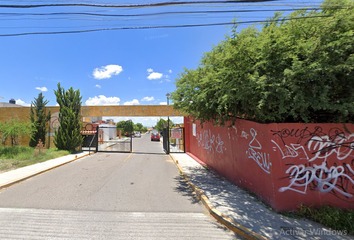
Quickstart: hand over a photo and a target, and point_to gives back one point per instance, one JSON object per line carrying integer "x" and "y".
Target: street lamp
{"x": 168, "y": 126}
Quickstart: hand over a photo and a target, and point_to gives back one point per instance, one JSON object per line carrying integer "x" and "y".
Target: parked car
{"x": 138, "y": 134}
{"x": 155, "y": 135}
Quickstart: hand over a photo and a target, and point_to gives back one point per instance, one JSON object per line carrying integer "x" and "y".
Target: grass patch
{"x": 20, "y": 156}
{"x": 335, "y": 218}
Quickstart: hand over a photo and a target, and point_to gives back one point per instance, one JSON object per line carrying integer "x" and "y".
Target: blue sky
{"x": 112, "y": 67}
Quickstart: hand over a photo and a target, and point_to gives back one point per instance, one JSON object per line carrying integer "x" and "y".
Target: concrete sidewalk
{"x": 243, "y": 213}
{"x": 20, "y": 174}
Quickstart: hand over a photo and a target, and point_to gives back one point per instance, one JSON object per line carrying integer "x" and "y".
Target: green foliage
{"x": 3, "y": 133}
{"x": 298, "y": 70}
{"x": 120, "y": 125}
{"x": 161, "y": 124}
{"x": 335, "y": 218}
{"x": 125, "y": 126}
{"x": 138, "y": 127}
{"x": 13, "y": 129}
{"x": 144, "y": 129}
{"x": 20, "y": 156}
{"x": 68, "y": 137}
{"x": 39, "y": 119}
{"x": 129, "y": 126}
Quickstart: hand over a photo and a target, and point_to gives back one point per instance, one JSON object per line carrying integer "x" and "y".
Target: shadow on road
{"x": 185, "y": 189}
{"x": 149, "y": 153}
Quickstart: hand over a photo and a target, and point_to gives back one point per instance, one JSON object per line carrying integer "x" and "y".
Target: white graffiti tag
{"x": 325, "y": 179}
{"x": 210, "y": 143}
{"x": 254, "y": 152}
{"x": 323, "y": 147}
{"x": 291, "y": 151}
{"x": 244, "y": 134}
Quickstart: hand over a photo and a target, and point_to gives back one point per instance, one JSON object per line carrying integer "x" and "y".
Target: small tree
{"x": 14, "y": 129}
{"x": 39, "y": 119}
{"x": 68, "y": 136}
{"x": 3, "y": 133}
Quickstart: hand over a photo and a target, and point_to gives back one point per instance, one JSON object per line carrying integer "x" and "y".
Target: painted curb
{"x": 6, "y": 185}
{"x": 226, "y": 221}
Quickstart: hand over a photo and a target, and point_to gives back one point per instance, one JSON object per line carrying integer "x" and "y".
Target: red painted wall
{"x": 285, "y": 164}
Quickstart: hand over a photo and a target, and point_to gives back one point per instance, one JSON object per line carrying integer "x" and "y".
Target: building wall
{"x": 109, "y": 131}
{"x": 87, "y": 111}
{"x": 285, "y": 164}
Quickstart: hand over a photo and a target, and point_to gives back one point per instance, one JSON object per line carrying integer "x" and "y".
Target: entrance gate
{"x": 108, "y": 141}
{"x": 103, "y": 138}
{"x": 173, "y": 140}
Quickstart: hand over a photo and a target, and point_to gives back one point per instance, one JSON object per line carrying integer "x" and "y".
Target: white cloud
{"x": 98, "y": 86}
{"x": 163, "y": 103}
{"x": 133, "y": 102}
{"x": 107, "y": 71}
{"x": 155, "y": 75}
{"x": 149, "y": 70}
{"x": 170, "y": 71}
{"x": 57, "y": 104}
{"x": 42, "y": 89}
{"x": 102, "y": 100}
{"x": 147, "y": 99}
{"x": 20, "y": 102}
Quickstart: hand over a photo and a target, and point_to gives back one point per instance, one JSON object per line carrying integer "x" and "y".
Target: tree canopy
{"x": 68, "y": 137}
{"x": 39, "y": 120}
{"x": 162, "y": 123}
{"x": 125, "y": 126}
{"x": 297, "y": 68}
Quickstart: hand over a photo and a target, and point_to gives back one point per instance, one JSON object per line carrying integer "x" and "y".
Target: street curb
{"x": 40, "y": 172}
{"x": 226, "y": 221}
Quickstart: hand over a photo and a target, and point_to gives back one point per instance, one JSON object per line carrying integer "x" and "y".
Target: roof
{"x": 5, "y": 104}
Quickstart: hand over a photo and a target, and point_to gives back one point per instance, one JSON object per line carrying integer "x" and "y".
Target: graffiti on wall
{"x": 320, "y": 160}
{"x": 255, "y": 152}
{"x": 209, "y": 142}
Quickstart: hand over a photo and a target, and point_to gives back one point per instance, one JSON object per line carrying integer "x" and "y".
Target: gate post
{"x": 131, "y": 137}
{"x": 97, "y": 131}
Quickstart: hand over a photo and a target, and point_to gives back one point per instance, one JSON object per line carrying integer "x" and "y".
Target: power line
{"x": 159, "y": 4}
{"x": 164, "y": 13}
{"x": 156, "y": 27}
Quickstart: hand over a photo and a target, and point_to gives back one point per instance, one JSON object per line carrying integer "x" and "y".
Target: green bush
{"x": 297, "y": 68}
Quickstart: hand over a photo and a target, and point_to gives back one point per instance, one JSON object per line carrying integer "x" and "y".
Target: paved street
{"x": 108, "y": 195}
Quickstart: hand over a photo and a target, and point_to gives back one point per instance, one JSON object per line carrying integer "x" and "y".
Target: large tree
{"x": 129, "y": 126}
{"x": 39, "y": 120}
{"x": 162, "y": 123}
{"x": 138, "y": 126}
{"x": 125, "y": 126}
{"x": 68, "y": 136}
{"x": 297, "y": 68}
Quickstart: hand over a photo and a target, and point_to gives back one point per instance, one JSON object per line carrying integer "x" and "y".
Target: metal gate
{"x": 90, "y": 135}
{"x": 108, "y": 141}
{"x": 173, "y": 140}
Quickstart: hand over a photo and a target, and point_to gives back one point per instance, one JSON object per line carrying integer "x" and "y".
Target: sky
{"x": 137, "y": 65}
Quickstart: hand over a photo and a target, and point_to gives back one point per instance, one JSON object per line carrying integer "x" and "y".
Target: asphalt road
{"x": 138, "y": 189}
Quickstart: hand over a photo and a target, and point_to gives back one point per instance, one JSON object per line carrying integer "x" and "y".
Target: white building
{"x": 107, "y": 132}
